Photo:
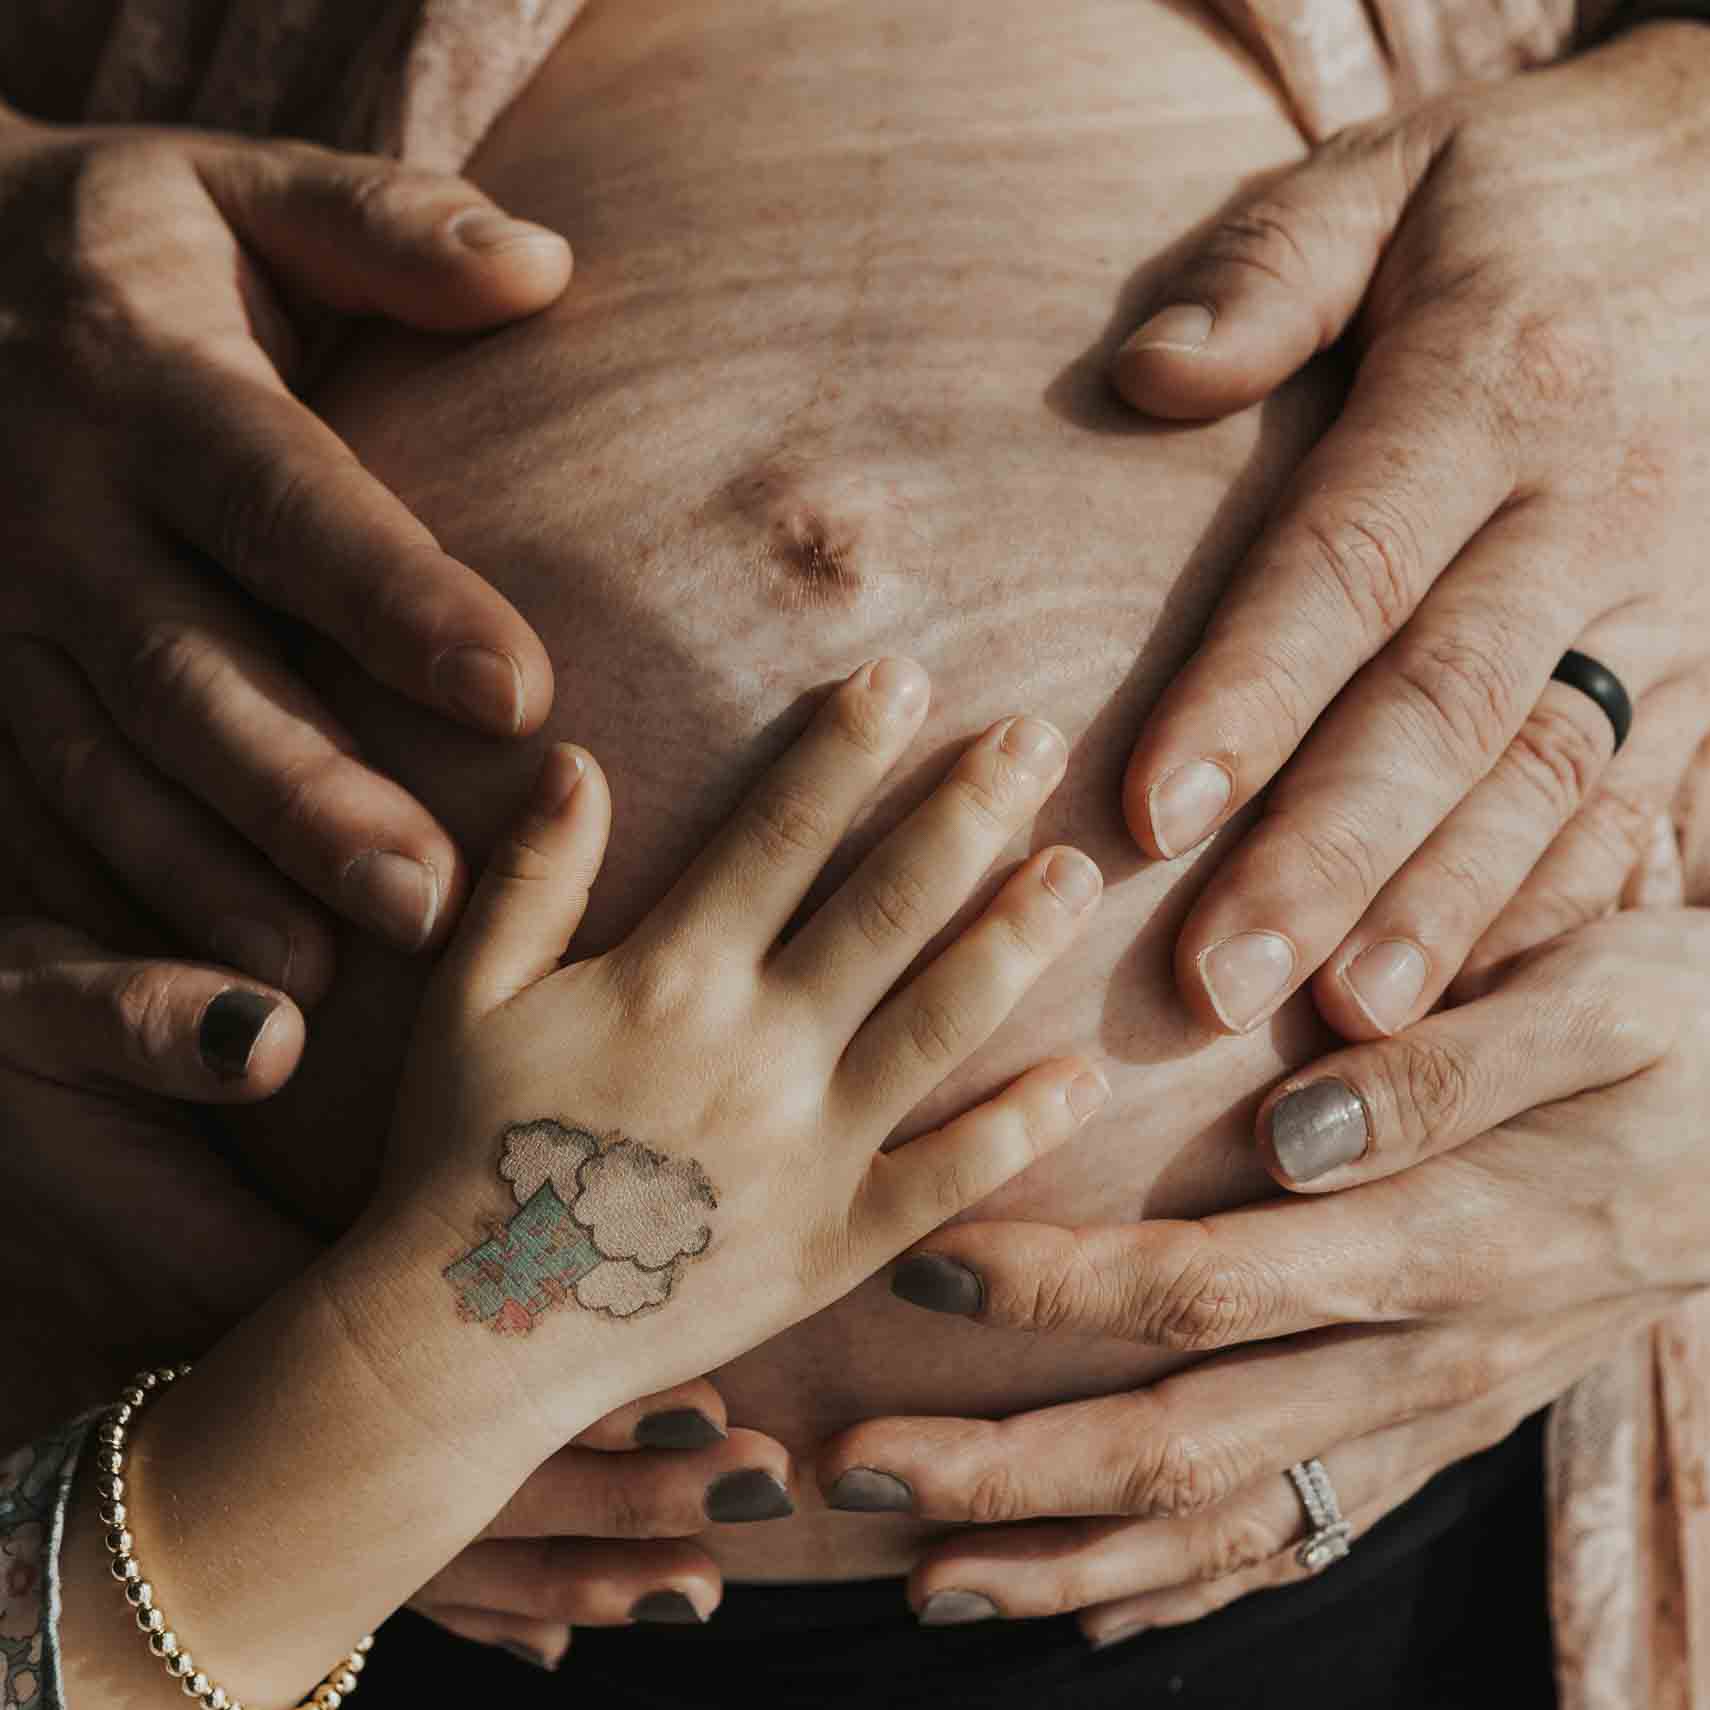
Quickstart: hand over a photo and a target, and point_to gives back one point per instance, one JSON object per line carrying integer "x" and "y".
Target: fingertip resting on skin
{"x": 939, "y": 1284}
{"x": 1246, "y": 977}
{"x": 250, "y": 1041}
{"x": 1317, "y": 1128}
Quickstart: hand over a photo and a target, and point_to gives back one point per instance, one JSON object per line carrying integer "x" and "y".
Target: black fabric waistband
{"x": 1423, "y": 1595}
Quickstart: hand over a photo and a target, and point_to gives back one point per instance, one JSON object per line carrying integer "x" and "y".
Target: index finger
{"x": 1401, "y": 482}
{"x": 277, "y": 500}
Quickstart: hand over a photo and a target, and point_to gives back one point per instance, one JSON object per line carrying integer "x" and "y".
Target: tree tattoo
{"x": 602, "y": 1221}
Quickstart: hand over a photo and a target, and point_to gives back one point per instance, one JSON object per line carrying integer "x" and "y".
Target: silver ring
{"x": 1330, "y": 1532}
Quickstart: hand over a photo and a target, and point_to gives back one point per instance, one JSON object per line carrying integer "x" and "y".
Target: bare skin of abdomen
{"x": 828, "y": 384}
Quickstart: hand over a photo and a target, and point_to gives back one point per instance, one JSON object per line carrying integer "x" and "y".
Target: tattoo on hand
{"x": 602, "y": 1221}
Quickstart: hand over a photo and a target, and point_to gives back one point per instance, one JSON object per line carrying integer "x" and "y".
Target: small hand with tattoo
{"x": 689, "y": 1127}
{"x": 139, "y": 1239}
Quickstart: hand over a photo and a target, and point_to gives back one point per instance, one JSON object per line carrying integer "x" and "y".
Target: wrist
{"x": 509, "y": 1398}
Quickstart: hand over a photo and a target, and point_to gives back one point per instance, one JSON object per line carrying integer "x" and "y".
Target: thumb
{"x": 1279, "y": 277}
{"x": 366, "y": 236}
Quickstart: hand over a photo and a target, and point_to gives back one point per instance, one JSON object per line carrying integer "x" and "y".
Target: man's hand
{"x": 160, "y": 486}
{"x": 1390, "y": 1329}
{"x": 1523, "y": 468}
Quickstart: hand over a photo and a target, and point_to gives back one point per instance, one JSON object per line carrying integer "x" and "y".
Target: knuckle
{"x": 891, "y": 906}
{"x": 1619, "y": 824}
{"x": 263, "y": 495}
{"x": 383, "y": 196}
{"x": 994, "y": 1496}
{"x": 143, "y": 1006}
{"x": 1473, "y": 1370}
{"x": 629, "y": 1512}
{"x": 1232, "y": 1544}
{"x": 1558, "y": 362}
{"x": 1559, "y": 757}
{"x": 1466, "y": 690}
{"x": 788, "y": 822}
{"x": 1430, "y": 1089}
{"x": 1371, "y": 559}
{"x": 167, "y": 679}
{"x": 938, "y": 1030}
{"x": 1260, "y": 239}
{"x": 1335, "y": 855}
{"x": 292, "y": 798}
{"x": 990, "y": 792}
{"x": 1174, "y": 1475}
{"x": 519, "y": 862}
{"x": 73, "y": 765}
{"x": 1071, "y": 1296}
{"x": 660, "y": 989}
{"x": 1209, "y": 1303}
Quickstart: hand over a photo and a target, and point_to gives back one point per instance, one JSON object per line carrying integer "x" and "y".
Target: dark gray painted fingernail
{"x": 671, "y": 1606}
{"x": 1317, "y": 1128}
{"x": 679, "y": 1428}
{"x": 939, "y": 1284}
{"x": 748, "y": 1494}
{"x": 866, "y": 1490}
{"x": 528, "y": 1654}
{"x": 956, "y": 1609}
{"x": 231, "y": 1025}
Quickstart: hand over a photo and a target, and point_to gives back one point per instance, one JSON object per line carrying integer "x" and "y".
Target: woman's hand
{"x": 1521, "y": 470}
{"x": 688, "y": 1127}
{"x": 158, "y": 479}
{"x": 140, "y": 1244}
{"x": 1390, "y": 1329}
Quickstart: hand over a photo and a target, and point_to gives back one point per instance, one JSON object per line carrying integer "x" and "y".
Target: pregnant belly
{"x": 821, "y": 391}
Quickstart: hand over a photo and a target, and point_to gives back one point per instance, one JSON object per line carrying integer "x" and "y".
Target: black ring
{"x": 1580, "y": 671}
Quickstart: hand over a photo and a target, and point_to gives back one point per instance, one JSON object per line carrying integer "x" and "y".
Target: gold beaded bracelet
{"x": 139, "y": 1594}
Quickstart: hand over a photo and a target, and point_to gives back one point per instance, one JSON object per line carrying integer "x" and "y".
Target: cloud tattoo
{"x": 601, "y": 1219}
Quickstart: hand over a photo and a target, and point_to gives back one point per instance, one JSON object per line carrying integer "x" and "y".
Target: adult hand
{"x": 1522, "y": 468}
{"x": 158, "y": 479}
{"x": 1390, "y": 1329}
{"x": 140, "y": 1245}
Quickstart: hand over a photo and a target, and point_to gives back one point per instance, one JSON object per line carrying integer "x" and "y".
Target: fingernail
{"x": 1385, "y": 981}
{"x": 1182, "y": 326}
{"x": 866, "y": 1490}
{"x": 1073, "y": 880}
{"x": 528, "y": 1654}
{"x": 1036, "y": 747}
{"x": 1318, "y": 1128}
{"x": 900, "y": 684}
{"x": 748, "y": 1494}
{"x": 482, "y": 686}
{"x": 1246, "y": 975}
{"x": 231, "y": 1025}
{"x": 669, "y": 1606}
{"x": 397, "y": 896}
{"x": 1087, "y": 1094}
{"x": 1184, "y": 804}
{"x": 1117, "y": 1634}
{"x": 254, "y": 946}
{"x": 956, "y": 1609}
{"x": 560, "y": 772}
{"x": 679, "y": 1428}
{"x": 486, "y": 230}
{"x": 939, "y": 1284}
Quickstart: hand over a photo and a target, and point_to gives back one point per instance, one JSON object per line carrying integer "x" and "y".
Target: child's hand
{"x": 687, "y": 1129}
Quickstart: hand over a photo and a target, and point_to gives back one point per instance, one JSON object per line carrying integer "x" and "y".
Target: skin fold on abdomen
{"x": 828, "y": 384}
